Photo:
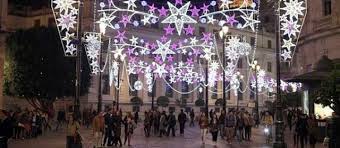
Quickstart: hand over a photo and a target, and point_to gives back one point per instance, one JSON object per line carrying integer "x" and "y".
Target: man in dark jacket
{"x": 172, "y": 124}
{"x": 6, "y": 129}
{"x": 302, "y": 129}
{"x": 182, "y": 118}
{"x": 108, "y": 119}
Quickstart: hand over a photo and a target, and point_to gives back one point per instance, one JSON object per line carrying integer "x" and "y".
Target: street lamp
{"x": 256, "y": 67}
{"x": 102, "y": 29}
{"x": 223, "y": 34}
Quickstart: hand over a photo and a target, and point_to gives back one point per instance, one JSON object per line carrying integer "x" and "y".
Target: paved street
{"x": 190, "y": 140}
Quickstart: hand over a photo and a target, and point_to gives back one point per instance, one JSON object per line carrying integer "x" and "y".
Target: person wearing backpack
{"x": 230, "y": 126}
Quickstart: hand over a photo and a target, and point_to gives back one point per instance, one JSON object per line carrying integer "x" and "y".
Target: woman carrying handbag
{"x": 73, "y": 138}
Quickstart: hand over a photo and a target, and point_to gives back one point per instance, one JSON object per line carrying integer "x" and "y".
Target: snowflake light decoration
{"x": 292, "y": 16}
{"x": 92, "y": 48}
{"x": 66, "y": 14}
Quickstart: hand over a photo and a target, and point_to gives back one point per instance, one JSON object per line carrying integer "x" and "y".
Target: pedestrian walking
{"x": 192, "y": 118}
{"x": 163, "y": 124}
{"x": 214, "y": 126}
{"x": 203, "y": 122}
{"x": 248, "y": 123}
{"x": 230, "y": 126}
{"x": 302, "y": 129}
{"x": 147, "y": 123}
{"x": 171, "y": 124}
{"x": 312, "y": 130}
{"x": 240, "y": 126}
{"x": 108, "y": 137}
{"x": 98, "y": 129}
{"x": 117, "y": 128}
{"x": 130, "y": 126}
{"x": 73, "y": 139}
{"x": 182, "y": 118}
{"x": 221, "y": 122}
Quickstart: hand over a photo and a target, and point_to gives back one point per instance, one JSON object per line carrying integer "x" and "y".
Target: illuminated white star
{"x": 66, "y": 21}
{"x": 193, "y": 41}
{"x": 146, "y": 20}
{"x": 134, "y": 40}
{"x": 286, "y": 55}
{"x": 163, "y": 49}
{"x": 131, "y": 4}
{"x": 211, "y": 19}
{"x": 214, "y": 65}
{"x": 64, "y": 5}
{"x": 106, "y": 20}
{"x": 179, "y": 17}
{"x": 293, "y": 8}
{"x": 160, "y": 70}
{"x": 118, "y": 53}
{"x": 225, "y": 4}
{"x": 288, "y": 43}
{"x": 290, "y": 28}
{"x": 250, "y": 21}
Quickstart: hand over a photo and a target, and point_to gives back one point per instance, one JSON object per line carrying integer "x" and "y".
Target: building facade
{"x": 320, "y": 37}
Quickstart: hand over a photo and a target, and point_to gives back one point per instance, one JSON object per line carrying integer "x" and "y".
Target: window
{"x": 51, "y": 22}
{"x": 325, "y": 52}
{"x": 36, "y": 23}
{"x": 239, "y": 93}
{"x": 269, "y": 66}
{"x": 106, "y": 85}
{"x": 168, "y": 89}
{"x": 252, "y": 41}
{"x": 214, "y": 95}
{"x": 327, "y": 7}
{"x": 239, "y": 63}
{"x": 252, "y": 92}
{"x": 269, "y": 43}
{"x": 185, "y": 88}
{"x": 133, "y": 78}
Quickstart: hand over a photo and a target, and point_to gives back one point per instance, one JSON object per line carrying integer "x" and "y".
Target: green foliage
{"x": 37, "y": 70}
{"x": 136, "y": 101}
{"x": 163, "y": 101}
{"x": 199, "y": 102}
{"x": 328, "y": 94}
{"x": 219, "y": 102}
{"x": 182, "y": 102}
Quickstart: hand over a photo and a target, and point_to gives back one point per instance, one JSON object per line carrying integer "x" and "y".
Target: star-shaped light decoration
{"x": 288, "y": 43}
{"x": 290, "y": 28}
{"x": 225, "y": 4}
{"x": 179, "y": 17}
{"x": 286, "y": 54}
{"x": 118, "y": 53}
{"x": 250, "y": 21}
{"x": 131, "y": 4}
{"x": 160, "y": 70}
{"x": 64, "y": 5}
{"x": 163, "y": 49}
{"x": 293, "y": 8}
{"x": 66, "y": 21}
{"x": 106, "y": 20}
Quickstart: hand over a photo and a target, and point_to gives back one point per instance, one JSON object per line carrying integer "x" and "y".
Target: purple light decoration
{"x": 205, "y": 8}
{"x": 110, "y": 2}
{"x": 130, "y": 51}
{"x": 194, "y": 11}
{"x": 170, "y": 59}
{"x": 125, "y": 20}
{"x": 169, "y": 30}
{"x": 206, "y": 37}
{"x": 120, "y": 36}
{"x": 189, "y": 61}
{"x": 164, "y": 39}
{"x": 189, "y": 30}
{"x": 158, "y": 59}
{"x": 152, "y": 8}
{"x": 132, "y": 60}
{"x": 179, "y": 2}
{"x": 162, "y": 11}
{"x": 231, "y": 20}
{"x": 153, "y": 46}
{"x": 174, "y": 46}
{"x": 196, "y": 52}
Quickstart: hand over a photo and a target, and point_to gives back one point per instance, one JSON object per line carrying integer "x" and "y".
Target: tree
{"x": 37, "y": 70}
{"x": 329, "y": 94}
{"x": 136, "y": 101}
{"x": 199, "y": 102}
{"x": 182, "y": 102}
{"x": 163, "y": 101}
{"x": 219, "y": 102}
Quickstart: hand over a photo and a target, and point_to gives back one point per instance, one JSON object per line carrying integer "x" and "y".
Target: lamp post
{"x": 240, "y": 77}
{"x": 206, "y": 91}
{"x": 223, "y": 34}
{"x": 279, "y": 129}
{"x": 102, "y": 30}
{"x": 256, "y": 67}
{"x": 153, "y": 92}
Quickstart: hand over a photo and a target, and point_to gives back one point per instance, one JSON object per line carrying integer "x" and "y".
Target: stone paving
{"x": 191, "y": 139}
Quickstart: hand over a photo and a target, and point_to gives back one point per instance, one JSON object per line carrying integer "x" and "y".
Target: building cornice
{"x": 315, "y": 35}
